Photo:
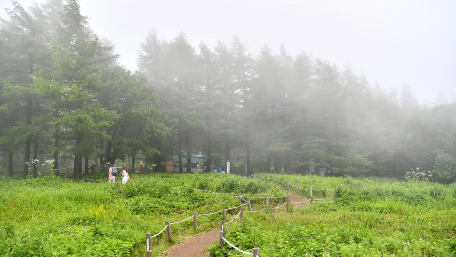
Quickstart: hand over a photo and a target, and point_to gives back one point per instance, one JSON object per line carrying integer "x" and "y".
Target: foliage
{"x": 444, "y": 167}
{"x": 49, "y": 216}
{"x": 369, "y": 217}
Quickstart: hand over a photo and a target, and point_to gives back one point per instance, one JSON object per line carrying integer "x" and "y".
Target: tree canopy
{"x": 63, "y": 95}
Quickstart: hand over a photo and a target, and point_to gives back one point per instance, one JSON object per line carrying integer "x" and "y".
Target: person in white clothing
{"x": 125, "y": 176}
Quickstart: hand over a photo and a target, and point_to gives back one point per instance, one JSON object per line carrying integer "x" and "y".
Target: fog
{"x": 394, "y": 43}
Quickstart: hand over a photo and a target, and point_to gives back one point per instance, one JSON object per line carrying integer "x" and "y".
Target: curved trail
{"x": 195, "y": 246}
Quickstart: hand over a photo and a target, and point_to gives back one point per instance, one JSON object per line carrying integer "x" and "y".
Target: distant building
{"x": 196, "y": 158}
{"x": 321, "y": 171}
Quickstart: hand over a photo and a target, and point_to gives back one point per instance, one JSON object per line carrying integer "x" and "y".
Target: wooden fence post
{"x": 310, "y": 192}
{"x": 241, "y": 214}
{"x": 267, "y": 201}
{"x": 325, "y": 192}
{"x": 250, "y": 206}
{"x": 224, "y": 214}
{"x": 205, "y": 190}
{"x": 255, "y": 252}
{"x": 195, "y": 221}
{"x": 148, "y": 241}
{"x": 222, "y": 234}
{"x": 297, "y": 188}
{"x": 168, "y": 230}
{"x": 239, "y": 198}
{"x": 288, "y": 186}
{"x": 221, "y": 226}
{"x": 148, "y": 246}
{"x": 288, "y": 203}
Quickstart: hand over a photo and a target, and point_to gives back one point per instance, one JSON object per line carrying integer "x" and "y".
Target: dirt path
{"x": 194, "y": 246}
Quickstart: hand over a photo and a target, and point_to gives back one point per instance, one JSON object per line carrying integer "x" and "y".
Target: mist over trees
{"x": 63, "y": 95}
{"x": 62, "y": 92}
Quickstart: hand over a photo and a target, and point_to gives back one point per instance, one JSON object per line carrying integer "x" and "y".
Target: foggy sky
{"x": 394, "y": 43}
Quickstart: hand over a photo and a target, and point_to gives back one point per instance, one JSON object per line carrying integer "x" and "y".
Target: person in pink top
{"x": 112, "y": 178}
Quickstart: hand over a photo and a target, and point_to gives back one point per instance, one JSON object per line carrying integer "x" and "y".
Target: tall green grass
{"x": 49, "y": 216}
{"x": 369, "y": 217}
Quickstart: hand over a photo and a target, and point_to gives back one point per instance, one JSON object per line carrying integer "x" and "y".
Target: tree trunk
{"x": 276, "y": 165}
{"x": 180, "y": 147}
{"x": 28, "y": 141}
{"x": 249, "y": 171}
{"x": 35, "y": 157}
{"x": 77, "y": 166}
{"x": 109, "y": 158}
{"x": 209, "y": 147}
{"x": 101, "y": 155}
{"x": 11, "y": 154}
{"x": 56, "y": 153}
{"x": 10, "y": 162}
{"x": 133, "y": 160}
{"x": 189, "y": 154}
{"x": 227, "y": 152}
{"x": 158, "y": 162}
{"x": 86, "y": 166}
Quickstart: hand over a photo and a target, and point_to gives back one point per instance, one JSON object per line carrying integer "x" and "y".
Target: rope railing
{"x": 237, "y": 206}
{"x": 159, "y": 232}
{"x": 278, "y": 207}
{"x": 302, "y": 201}
{"x": 177, "y": 222}
{"x": 242, "y": 251}
{"x": 257, "y": 211}
{"x": 209, "y": 213}
{"x": 264, "y": 197}
{"x": 242, "y": 198}
{"x": 234, "y": 217}
{"x": 322, "y": 199}
{"x": 239, "y": 214}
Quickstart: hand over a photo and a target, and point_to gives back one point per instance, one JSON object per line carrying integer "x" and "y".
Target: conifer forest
{"x": 65, "y": 97}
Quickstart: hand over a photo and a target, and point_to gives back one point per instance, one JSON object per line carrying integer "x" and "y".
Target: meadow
{"x": 49, "y": 216}
{"x": 368, "y": 217}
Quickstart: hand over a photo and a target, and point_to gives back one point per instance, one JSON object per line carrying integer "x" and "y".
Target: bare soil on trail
{"x": 194, "y": 247}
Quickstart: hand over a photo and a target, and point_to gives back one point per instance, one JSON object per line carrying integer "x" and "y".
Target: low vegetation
{"x": 369, "y": 217}
{"x": 49, "y": 216}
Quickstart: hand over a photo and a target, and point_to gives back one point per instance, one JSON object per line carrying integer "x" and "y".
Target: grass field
{"x": 49, "y": 216}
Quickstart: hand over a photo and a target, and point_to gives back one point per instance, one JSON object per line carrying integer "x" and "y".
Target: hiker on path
{"x": 125, "y": 176}
{"x": 112, "y": 178}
